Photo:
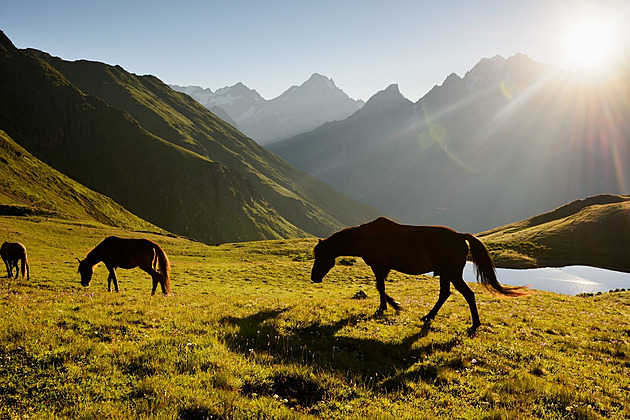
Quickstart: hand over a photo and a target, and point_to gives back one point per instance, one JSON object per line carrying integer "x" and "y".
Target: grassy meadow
{"x": 247, "y": 335}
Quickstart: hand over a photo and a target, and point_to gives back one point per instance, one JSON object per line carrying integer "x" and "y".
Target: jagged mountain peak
{"x": 317, "y": 77}
{"x": 496, "y": 66}
{"x": 391, "y": 92}
{"x": 319, "y": 80}
{"x": 239, "y": 89}
{"x": 317, "y": 84}
{"x": 384, "y": 100}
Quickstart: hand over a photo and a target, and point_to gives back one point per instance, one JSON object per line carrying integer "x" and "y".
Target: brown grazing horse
{"x": 385, "y": 245}
{"x": 12, "y": 253}
{"x": 128, "y": 253}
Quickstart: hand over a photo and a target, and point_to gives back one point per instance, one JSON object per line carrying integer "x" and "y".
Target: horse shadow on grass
{"x": 370, "y": 361}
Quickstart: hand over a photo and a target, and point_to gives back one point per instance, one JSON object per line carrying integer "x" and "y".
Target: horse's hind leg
{"x": 469, "y": 295}
{"x": 155, "y": 283}
{"x": 110, "y": 278}
{"x": 445, "y": 292}
{"x": 158, "y": 278}
{"x": 155, "y": 276}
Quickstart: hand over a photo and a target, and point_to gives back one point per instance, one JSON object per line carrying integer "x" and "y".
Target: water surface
{"x": 566, "y": 280}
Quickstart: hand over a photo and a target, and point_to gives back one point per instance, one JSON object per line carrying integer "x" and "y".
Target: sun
{"x": 591, "y": 44}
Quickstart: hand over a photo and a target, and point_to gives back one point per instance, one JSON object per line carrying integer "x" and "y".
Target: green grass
{"x": 247, "y": 335}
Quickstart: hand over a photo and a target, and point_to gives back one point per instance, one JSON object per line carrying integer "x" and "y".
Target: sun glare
{"x": 591, "y": 44}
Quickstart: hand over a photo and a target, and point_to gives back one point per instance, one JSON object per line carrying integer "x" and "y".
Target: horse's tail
{"x": 25, "y": 268}
{"x": 164, "y": 268}
{"x": 485, "y": 272}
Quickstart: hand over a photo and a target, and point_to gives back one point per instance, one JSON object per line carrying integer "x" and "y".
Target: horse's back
{"x": 13, "y": 250}
{"x": 130, "y": 243}
{"x": 383, "y": 228}
{"x": 126, "y": 252}
{"x": 414, "y": 249}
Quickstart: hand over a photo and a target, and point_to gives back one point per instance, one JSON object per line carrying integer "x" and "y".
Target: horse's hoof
{"x": 472, "y": 331}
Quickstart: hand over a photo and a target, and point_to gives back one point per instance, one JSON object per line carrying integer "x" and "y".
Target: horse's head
{"x": 86, "y": 271}
{"x": 324, "y": 261}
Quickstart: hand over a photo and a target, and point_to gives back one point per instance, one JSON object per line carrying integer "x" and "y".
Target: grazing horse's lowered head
{"x": 86, "y": 270}
{"x": 324, "y": 262}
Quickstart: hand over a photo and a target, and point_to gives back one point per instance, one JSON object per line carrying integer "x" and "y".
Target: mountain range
{"x": 510, "y": 139}
{"x": 158, "y": 153}
{"x": 299, "y": 109}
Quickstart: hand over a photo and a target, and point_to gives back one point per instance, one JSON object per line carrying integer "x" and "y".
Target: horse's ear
{"x": 78, "y": 260}
{"x": 320, "y": 241}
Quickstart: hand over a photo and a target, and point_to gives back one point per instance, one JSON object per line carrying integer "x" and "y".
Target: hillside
{"x": 594, "y": 231}
{"x": 159, "y": 153}
{"x": 247, "y": 335}
{"x": 30, "y": 187}
{"x": 509, "y": 139}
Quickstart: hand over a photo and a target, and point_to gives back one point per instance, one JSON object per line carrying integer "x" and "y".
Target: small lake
{"x": 566, "y": 280}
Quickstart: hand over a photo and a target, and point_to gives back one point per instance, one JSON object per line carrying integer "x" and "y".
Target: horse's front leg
{"x": 469, "y": 295}
{"x": 8, "y": 267}
{"x": 381, "y": 274}
{"x": 445, "y": 292}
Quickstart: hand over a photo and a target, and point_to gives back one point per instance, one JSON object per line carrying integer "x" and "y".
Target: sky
{"x": 364, "y": 46}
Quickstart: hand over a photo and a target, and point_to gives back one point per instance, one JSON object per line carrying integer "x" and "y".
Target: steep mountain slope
{"x": 29, "y": 186}
{"x": 299, "y": 109}
{"x": 510, "y": 139}
{"x": 165, "y": 157}
{"x": 594, "y": 231}
{"x": 358, "y": 154}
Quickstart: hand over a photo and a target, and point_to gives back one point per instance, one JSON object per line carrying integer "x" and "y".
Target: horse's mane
{"x": 378, "y": 221}
{"x": 349, "y": 235}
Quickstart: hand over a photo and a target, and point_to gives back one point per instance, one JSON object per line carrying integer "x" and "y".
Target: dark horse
{"x": 128, "y": 253}
{"x": 385, "y": 245}
{"x": 12, "y": 253}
